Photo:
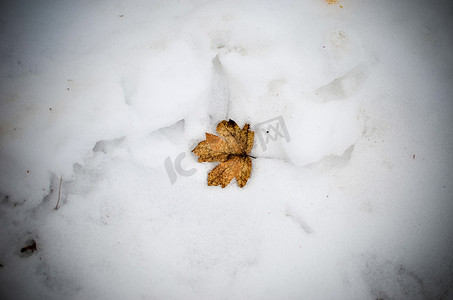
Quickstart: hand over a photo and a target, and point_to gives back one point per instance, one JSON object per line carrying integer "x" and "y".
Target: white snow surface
{"x": 356, "y": 205}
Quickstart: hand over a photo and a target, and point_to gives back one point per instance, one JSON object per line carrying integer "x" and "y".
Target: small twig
{"x": 31, "y": 247}
{"x": 59, "y": 193}
{"x": 251, "y": 156}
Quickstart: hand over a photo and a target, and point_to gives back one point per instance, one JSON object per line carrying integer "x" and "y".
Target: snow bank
{"x": 350, "y": 193}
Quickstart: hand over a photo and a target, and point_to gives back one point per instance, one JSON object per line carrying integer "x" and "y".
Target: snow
{"x": 350, "y": 193}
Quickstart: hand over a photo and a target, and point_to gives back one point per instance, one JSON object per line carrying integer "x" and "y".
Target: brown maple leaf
{"x": 231, "y": 149}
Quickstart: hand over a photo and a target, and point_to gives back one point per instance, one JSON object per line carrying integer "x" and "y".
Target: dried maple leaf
{"x": 231, "y": 149}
